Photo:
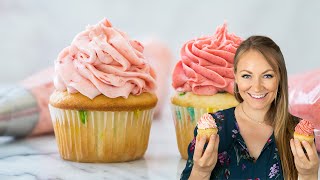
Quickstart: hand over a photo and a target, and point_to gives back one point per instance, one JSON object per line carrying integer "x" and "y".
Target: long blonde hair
{"x": 282, "y": 121}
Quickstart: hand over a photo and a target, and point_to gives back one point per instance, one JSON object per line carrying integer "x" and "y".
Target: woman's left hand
{"x": 306, "y": 164}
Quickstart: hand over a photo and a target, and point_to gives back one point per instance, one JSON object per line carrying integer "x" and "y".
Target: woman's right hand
{"x": 204, "y": 161}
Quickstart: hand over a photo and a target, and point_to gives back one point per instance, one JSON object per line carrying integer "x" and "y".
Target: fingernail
{"x": 296, "y": 141}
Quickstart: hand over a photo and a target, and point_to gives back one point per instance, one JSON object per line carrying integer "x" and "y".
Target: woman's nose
{"x": 257, "y": 85}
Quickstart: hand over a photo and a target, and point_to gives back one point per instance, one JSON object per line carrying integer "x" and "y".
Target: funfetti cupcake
{"x": 206, "y": 126}
{"x": 203, "y": 80}
{"x": 103, "y": 104}
{"x": 304, "y": 131}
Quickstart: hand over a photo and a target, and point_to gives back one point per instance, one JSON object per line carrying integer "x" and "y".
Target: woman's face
{"x": 257, "y": 82}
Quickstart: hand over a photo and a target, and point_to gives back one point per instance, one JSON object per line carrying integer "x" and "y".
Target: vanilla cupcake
{"x": 103, "y": 104}
{"x": 304, "y": 131}
{"x": 206, "y": 126}
{"x": 203, "y": 80}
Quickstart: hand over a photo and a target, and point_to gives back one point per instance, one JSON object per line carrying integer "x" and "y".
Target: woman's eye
{"x": 246, "y": 76}
{"x": 268, "y": 76}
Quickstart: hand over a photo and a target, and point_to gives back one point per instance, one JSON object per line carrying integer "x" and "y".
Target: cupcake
{"x": 203, "y": 81}
{"x": 304, "y": 131}
{"x": 206, "y": 126}
{"x": 104, "y": 98}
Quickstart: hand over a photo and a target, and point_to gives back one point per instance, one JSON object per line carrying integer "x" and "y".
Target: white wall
{"x": 33, "y": 32}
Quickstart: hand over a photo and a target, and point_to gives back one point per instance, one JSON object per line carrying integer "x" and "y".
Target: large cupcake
{"x": 103, "y": 103}
{"x": 203, "y": 80}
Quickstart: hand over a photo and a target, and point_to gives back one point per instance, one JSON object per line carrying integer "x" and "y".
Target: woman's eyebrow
{"x": 252, "y": 73}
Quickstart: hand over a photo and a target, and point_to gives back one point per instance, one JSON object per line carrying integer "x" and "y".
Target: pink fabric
{"x": 206, "y": 121}
{"x": 102, "y": 60}
{"x": 206, "y": 65}
{"x": 304, "y": 127}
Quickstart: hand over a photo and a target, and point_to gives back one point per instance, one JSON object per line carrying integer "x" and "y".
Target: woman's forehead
{"x": 253, "y": 61}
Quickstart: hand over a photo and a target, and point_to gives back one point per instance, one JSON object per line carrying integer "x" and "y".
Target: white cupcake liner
{"x": 104, "y": 136}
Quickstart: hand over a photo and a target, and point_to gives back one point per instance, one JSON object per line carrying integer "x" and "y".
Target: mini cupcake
{"x": 103, "y": 104}
{"x": 203, "y": 80}
{"x": 206, "y": 126}
{"x": 304, "y": 131}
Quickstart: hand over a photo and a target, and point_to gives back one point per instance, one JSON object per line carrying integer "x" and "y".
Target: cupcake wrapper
{"x": 185, "y": 120}
{"x": 101, "y": 136}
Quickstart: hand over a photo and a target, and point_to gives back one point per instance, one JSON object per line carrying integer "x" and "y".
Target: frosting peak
{"x": 102, "y": 60}
{"x": 304, "y": 127}
{"x": 206, "y": 65}
{"x": 206, "y": 121}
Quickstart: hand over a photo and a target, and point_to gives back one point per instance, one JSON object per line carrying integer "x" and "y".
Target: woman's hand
{"x": 204, "y": 162}
{"x": 306, "y": 164}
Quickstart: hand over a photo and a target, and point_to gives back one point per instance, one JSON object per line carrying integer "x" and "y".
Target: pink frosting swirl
{"x": 102, "y": 60}
{"x": 304, "y": 127}
{"x": 206, "y": 65}
{"x": 206, "y": 121}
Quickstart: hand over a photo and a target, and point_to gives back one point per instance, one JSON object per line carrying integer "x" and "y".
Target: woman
{"x": 254, "y": 140}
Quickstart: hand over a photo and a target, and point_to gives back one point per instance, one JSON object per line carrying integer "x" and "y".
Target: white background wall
{"x": 33, "y": 31}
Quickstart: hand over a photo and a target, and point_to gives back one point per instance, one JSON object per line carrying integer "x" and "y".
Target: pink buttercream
{"x": 206, "y": 65}
{"x": 304, "y": 127}
{"x": 102, "y": 60}
{"x": 206, "y": 122}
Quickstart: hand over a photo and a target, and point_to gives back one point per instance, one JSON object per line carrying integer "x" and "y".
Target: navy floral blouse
{"x": 234, "y": 160}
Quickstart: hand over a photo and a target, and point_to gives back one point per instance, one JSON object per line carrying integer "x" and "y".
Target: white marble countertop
{"x": 38, "y": 158}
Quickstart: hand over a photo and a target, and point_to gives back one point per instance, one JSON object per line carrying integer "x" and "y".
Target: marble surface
{"x": 38, "y": 158}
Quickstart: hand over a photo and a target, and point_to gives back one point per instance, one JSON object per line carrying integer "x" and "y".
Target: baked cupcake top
{"x": 206, "y": 122}
{"x": 304, "y": 127}
{"x": 206, "y": 65}
{"x": 103, "y": 60}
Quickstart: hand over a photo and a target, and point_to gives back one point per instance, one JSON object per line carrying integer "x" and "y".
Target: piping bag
{"x": 24, "y": 106}
{"x": 304, "y": 96}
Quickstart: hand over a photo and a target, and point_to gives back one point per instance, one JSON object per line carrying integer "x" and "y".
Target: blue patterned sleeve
{"x": 220, "y": 123}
